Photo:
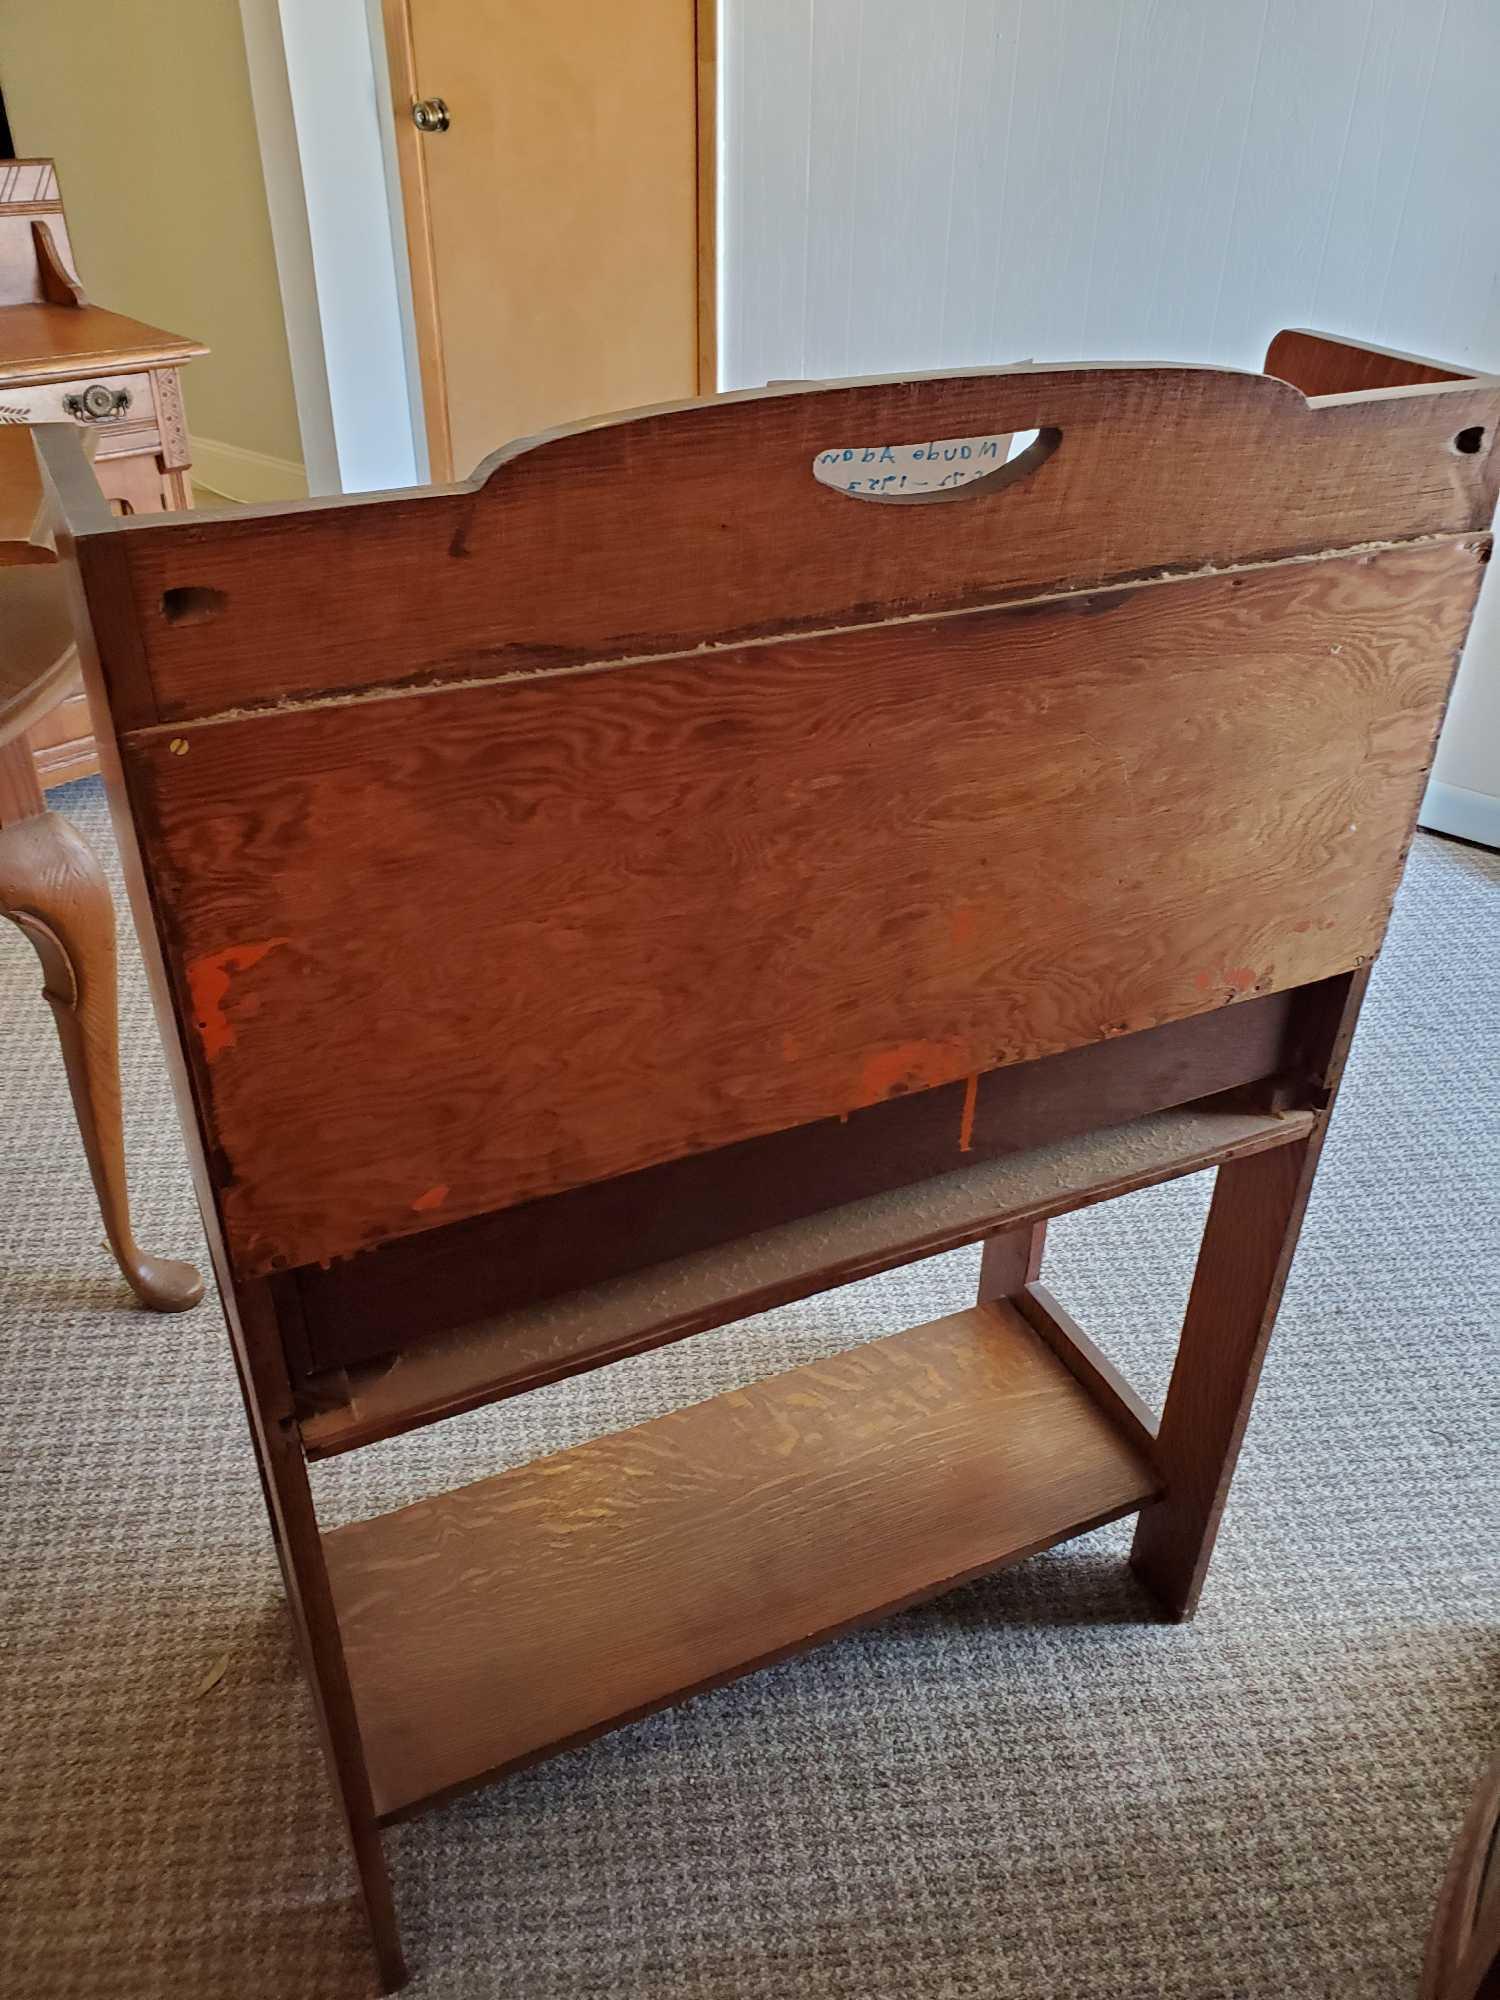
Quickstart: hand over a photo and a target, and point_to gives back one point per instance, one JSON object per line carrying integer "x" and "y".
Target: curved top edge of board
{"x": 1016, "y": 387}
{"x": 1018, "y": 396}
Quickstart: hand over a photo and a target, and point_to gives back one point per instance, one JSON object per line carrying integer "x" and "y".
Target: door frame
{"x": 411, "y": 166}
{"x": 317, "y": 86}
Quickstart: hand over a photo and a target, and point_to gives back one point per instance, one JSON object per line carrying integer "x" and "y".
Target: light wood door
{"x": 554, "y": 226}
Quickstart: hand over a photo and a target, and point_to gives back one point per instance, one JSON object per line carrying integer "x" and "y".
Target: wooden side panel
{"x": 705, "y": 523}
{"x": 452, "y": 951}
{"x": 1320, "y": 365}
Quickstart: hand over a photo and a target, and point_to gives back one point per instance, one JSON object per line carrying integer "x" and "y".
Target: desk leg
{"x": 1012, "y": 1260}
{"x": 261, "y": 1362}
{"x": 1251, "y": 1234}
{"x": 53, "y": 889}
{"x": 1254, "y": 1221}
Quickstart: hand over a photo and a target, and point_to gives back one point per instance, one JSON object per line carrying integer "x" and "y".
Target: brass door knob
{"x": 429, "y": 114}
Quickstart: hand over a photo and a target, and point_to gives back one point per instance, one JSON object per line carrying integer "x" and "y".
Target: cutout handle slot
{"x": 935, "y": 469}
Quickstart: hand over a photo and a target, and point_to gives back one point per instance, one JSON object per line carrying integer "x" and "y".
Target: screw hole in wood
{"x": 934, "y": 470}
{"x": 1470, "y": 439}
{"x": 192, "y": 604}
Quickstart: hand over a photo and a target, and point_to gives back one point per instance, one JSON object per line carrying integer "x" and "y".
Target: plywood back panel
{"x": 704, "y": 524}
{"x": 445, "y": 951}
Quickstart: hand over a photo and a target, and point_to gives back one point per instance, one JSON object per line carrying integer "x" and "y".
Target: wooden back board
{"x": 644, "y": 796}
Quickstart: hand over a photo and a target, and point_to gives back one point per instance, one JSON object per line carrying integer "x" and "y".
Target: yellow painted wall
{"x": 145, "y": 106}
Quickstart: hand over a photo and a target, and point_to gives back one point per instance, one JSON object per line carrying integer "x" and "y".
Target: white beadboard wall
{"x": 946, "y": 184}
{"x": 965, "y": 181}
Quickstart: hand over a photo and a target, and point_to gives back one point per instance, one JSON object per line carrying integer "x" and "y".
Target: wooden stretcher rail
{"x": 498, "y": 1623}
{"x": 518, "y": 1351}
{"x": 418, "y": 1288}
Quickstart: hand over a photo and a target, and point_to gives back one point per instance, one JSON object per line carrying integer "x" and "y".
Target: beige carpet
{"x": 1028, "y": 1789}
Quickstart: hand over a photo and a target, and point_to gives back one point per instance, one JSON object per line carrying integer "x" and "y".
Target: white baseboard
{"x": 1467, "y": 815}
{"x": 247, "y": 476}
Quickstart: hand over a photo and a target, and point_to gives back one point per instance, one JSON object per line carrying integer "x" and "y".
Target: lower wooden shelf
{"x": 494, "y": 1624}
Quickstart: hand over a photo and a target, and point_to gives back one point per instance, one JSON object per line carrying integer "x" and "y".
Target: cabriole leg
{"x": 53, "y": 888}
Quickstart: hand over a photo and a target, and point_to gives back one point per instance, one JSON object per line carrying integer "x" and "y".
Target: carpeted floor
{"x": 1028, "y": 1789}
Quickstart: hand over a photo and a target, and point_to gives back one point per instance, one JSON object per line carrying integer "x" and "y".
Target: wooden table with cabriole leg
{"x": 52, "y": 887}
{"x": 66, "y": 360}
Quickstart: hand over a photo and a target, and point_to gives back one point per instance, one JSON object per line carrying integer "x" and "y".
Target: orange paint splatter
{"x": 1203, "y": 980}
{"x": 966, "y": 1116}
{"x": 434, "y": 1198}
{"x": 209, "y": 980}
{"x": 911, "y": 1066}
{"x": 1240, "y": 978}
{"x": 963, "y": 925}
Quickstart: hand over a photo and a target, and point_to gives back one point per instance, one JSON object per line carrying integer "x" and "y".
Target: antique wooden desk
{"x": 63, "y": 360}
{"x": 643, "y": 885}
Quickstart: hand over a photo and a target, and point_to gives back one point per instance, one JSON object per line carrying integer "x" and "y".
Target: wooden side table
{"x": 52, "y": 887}
{"x": 63, "y": 360}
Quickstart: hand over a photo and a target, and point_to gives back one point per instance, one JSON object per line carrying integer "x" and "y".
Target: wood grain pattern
{"x": 20, "y": 791}
{"x": 841, "y": 839}
{"x": 1012, "y": 1260}
{"x": 1242, "y": 1266}
{"x": 703, "y": 523}
{"x": 38, "y": 662}
{"x": 343, "y": 1409}
{"x": 1248, "y": 1244}
{"x": 1320, "y": 365}
{"x": 1050, "y": 1319}
{"x": 42, "y": 341}
{"x": 62, "y": 743}
{"x": 413, "y": 1288}
{"x": 59, "y": 287}
{"x": 678, "y": 1554}
{"x": 299, "y": 1550}
{"x": 53, "y": 889}
{"x": 426, "y": 951}
{"x": 592, "y": 110}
